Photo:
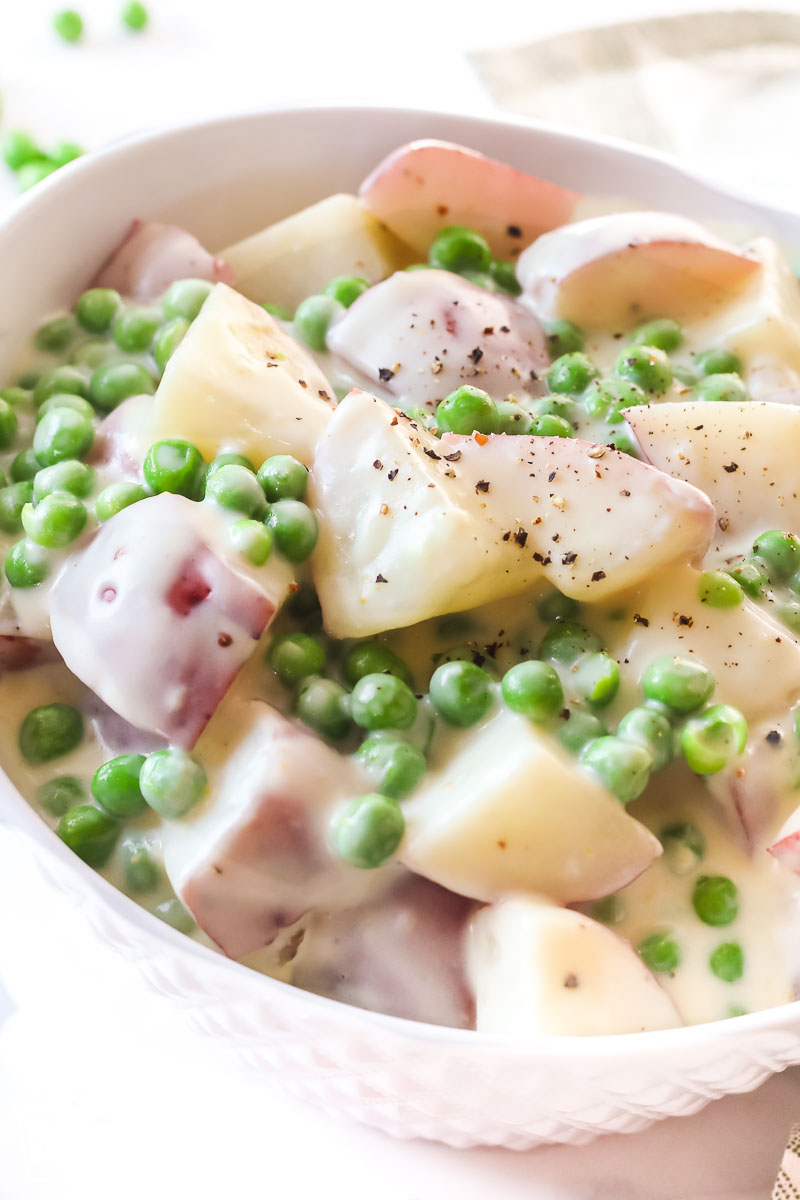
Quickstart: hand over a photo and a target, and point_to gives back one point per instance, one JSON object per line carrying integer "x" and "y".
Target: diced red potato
{"x": 613, "y": 271}
{"x": 151, "y": 256}
{"x": 552, "y": 490}
{"x": 508, "y": 812}
{"x": 760, "y": 785}
{"x": 729, "y": 451}
{"x": 255, "y": 856}
{"x": 420, "y": 334}
{"x": 118, "y": 445}
{"x": 424, "y": 186}
{"x": 501, "y": 513}
{"x": 158, "y": 614}
{"x": 403, "y": 956}
{"x": 541, "y": 970}
{"x": 786, "y": 847}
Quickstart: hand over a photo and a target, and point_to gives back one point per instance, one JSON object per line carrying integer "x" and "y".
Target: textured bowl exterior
{"x": 410, "y": 1080}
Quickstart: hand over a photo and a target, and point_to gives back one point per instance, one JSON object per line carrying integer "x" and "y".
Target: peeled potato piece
{"x": 296, "y": 257}
{"x": 538, "y": 970}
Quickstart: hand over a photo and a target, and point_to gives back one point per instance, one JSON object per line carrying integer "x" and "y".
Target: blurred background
{"x": 99, "y": 1094}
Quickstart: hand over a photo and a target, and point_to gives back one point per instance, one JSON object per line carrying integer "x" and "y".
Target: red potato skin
{"x": 19, "y": 653}
{"x": 426, "y": 185}
{"x": 787, "y": 851}
{"x": 151, "y": 256}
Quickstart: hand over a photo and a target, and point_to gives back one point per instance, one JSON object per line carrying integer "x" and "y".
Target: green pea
{"x": 29, "y": 379}
{"x": 557, "y": 406}
{"x": 779, "y": 551}
{"x": 66, "y": 400}
{"x": 117, "y": 496}
{"x": 423, "y": 419}
{"x": 96, "y": 309}
{"x": 89, "y": 833}
{"x": 512, "y": 417}
{"x": 504, "y": 275}
{"x": 17, "y": 397}
{"x": 345, "y": 289}
{"x": 61, "y": 379}
{"x": 534, "y": 690}
{"x": 606, "y": 399}
{"x": 651, "y": 729}
{"x": 684, "y": 375}
{"x": 597, "y": 679}
{"x": 236, "y": 488}
{"x": 481, "y": 279}
{"x": 571, "y": 373}
{"x": 62, "y": 433}
{"x": 68, "y": 24}
{"x": 663, "y": 333}
{"x": 50, "y": 731}
{"x": 788, "y": 611}
{"x": 253, "y": 540}
{"x": 278, "y": 311}
{"x": 715, "y": 899}
{"x": 622, "y": 767}
{"x": 115, "y": 786}
{"x": 60, "y": 794}
{"x": 172, "y": 913}
{"x": 26, "y": 564}
{"x": 751, "y": 578}
{"x": 727, "y": 962}
{"x": 557, "y": 607}
{"x": 24, "y": 467}
{"x": 312, "y": 319}
{"x": 719, "y": 589}
{"x": 167, "y": 340}
{"x": 563, "y": 337}
{"x": 660, "y": 953}
{"x": 65, "y": 152}
{"x": 185, "y": 298}
{"x": 56, "y": 521}
{"x": 684, "y": 847}
{"x": 19, "y": 148}
{"x": 283, "y": 478}
{"x": 93, "y": 354}
{"x": 12, "y": 501}
{"x": 550, "y": 425}
{"x": 395, "y": 766}
{"x": 172, "y": 782}
{"x": 368, "y": 830}
{"x": 580, "y": 726}
{"x": 135, "y": 16}
{"x": 114, "y": 382}
{"x": 709, "y": 741}
{"x": 135, "y": 329}
{"x": 227, "y": 460}
{"x": 610, "y": 910}
{"x": 33, "y": 173}
{"x": 468, "y": 653}
{"x": 717, "y": 388}
{"x": 67, "y": 476}
{"x": 295, "y": 529}
{"x": 620, "y": 438}
{"x": 381, "y": 701}
{"x": 54, "y": 336}
{"x": 173, "y": 465}
{"x": 646, "y": 366}
{"x": 467, "y": 410}
{"x": 565, "y": 641}
{"x": 142, "y": 874}
{"x": 296, "y": 656}
{"x": 461, "y": 693}
{"x": 321, "y": 704}
{"x": 459, "y": 249}
{"x": 682, "y": 684}
{"x": 373, "y": 658}
{"x": 718, "y": 362}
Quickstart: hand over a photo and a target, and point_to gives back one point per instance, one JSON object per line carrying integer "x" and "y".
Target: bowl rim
{"x": 17, "y": 814}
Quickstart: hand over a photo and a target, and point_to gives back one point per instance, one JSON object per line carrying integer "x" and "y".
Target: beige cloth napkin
{"x": 720, "y": 89}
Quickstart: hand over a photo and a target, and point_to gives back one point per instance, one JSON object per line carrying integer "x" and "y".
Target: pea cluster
{"x": 770, "y": 574}
{"x": 169, "y": 782}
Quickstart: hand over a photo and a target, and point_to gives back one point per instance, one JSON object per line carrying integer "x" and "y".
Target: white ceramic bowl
{"x": 222, "y": 180}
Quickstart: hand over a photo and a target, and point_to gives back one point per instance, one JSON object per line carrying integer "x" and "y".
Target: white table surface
{"x": 102, "y": 1092}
